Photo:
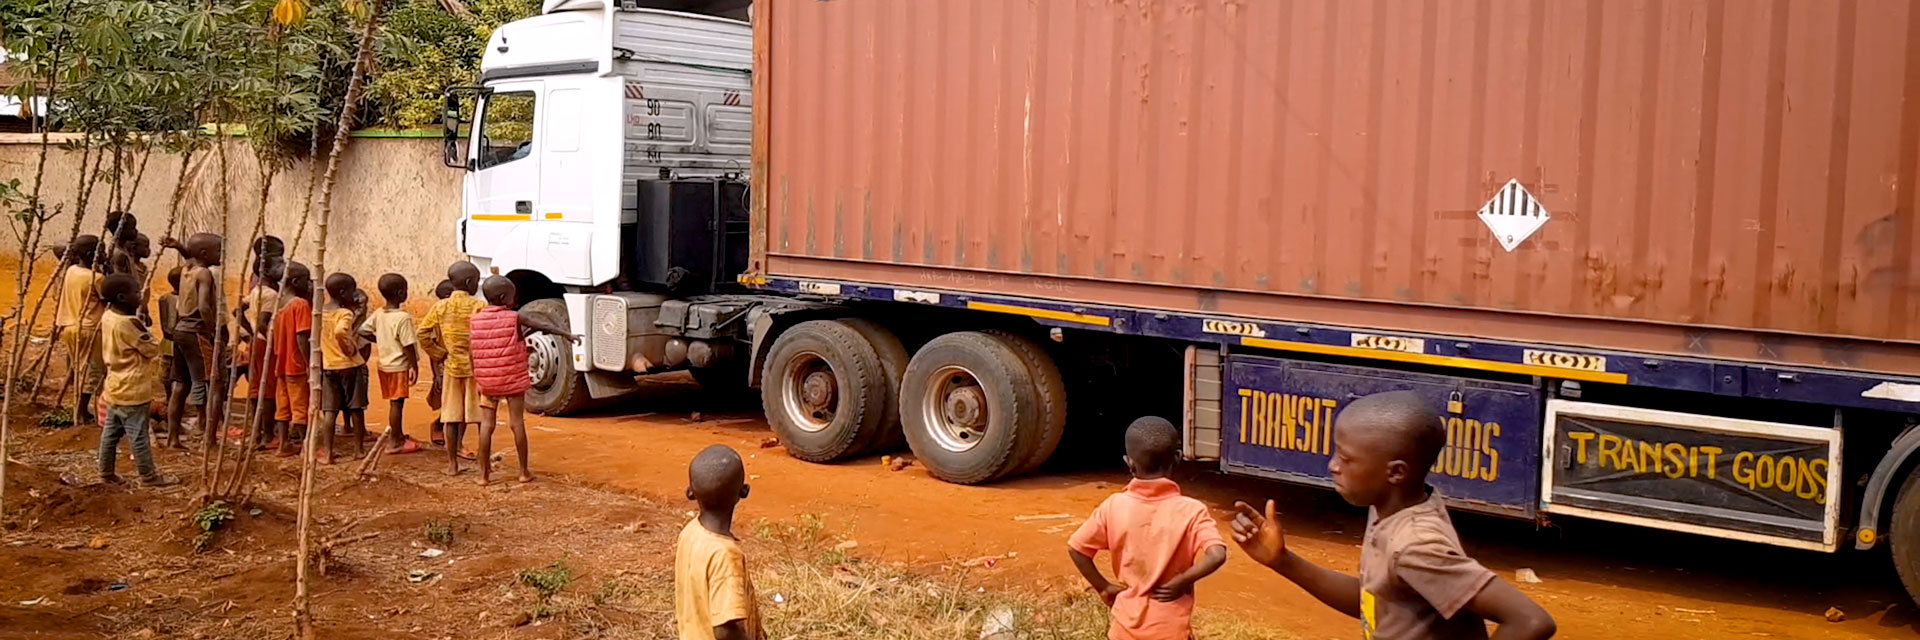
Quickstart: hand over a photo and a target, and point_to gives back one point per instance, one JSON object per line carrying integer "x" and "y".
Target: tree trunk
{"x": 362, "y": 61}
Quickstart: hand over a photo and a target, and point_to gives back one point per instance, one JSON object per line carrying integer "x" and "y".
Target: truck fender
{"x": 767, "y": 321}
{"x": 1885, "y": 475}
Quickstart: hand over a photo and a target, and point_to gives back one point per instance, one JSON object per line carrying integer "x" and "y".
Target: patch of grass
{"x": 440, "y": 532}
{"x": 56, "y": 417}
{"x": 546, "y": 581}
{"x": 209, "y": 519}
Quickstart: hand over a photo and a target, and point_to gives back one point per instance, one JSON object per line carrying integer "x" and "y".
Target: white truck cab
{"x": 591, "y": 124}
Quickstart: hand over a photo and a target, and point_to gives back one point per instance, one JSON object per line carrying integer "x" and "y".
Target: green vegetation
{"x": 440, "y": 532}
{"x": 546, "y": 581}
{"x": 210, "y": 518}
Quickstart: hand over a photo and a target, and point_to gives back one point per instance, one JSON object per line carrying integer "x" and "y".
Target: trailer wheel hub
{"x": 956, "y": 409}
{"x": 543, "y": 359}
{"x": 811, "y": 391}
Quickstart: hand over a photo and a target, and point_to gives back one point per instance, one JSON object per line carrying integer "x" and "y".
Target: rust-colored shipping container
{"x": 1727, "y": 178}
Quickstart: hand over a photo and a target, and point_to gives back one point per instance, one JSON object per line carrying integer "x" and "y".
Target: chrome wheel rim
{"x": 543, "y": 359}
{"x": 955, "y": 409}
{"x": 810, "y": 392}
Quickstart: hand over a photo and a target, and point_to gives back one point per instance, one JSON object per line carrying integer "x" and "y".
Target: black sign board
{"x": 1759, "y": 481}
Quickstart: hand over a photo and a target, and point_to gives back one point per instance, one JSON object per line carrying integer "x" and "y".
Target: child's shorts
{"x": 395, "y": 385}
{"x": 344, "y": 390}
{"x": 460, "y": 401}
{"x": 290, "y": 398}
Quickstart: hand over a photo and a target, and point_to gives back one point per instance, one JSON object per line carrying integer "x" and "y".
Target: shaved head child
{"x": 446, "y": 327}
{"x": 342, "y": 387}
{"x": 1415, "y": 581}
{"x": 713, "y": 595}
{"x": 174, "y": 369}
{"x": 292, "y": 339}
{"x": 500, "y": 368}
{"x": 1160, "y": 542}
{"x": 129, "y": 350}
{"x": 397, "y": 344}
{"x": 197, "y": 325}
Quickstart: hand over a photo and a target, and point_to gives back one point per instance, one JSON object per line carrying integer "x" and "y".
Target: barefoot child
{"x": 391, "y": 330}
{"x": 446, "y": 325}
{"x": 77, "y": 317}
{"x": 254, "y": 315}
{"x": 712, "y": 593}
{"x": 173, "y": 368}
{"x": 1161, "y": 542}
{"x": 196, "y": 326}
{"x": 341, "y": 393}
{"x": 1415, "y": 581}
{"x": 437, "y": 358}
{"x": 500, "y": 369}
{"x": 129, "y": 351}
{"x": 292, "y": 337}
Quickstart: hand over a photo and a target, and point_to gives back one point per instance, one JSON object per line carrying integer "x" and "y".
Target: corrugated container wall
{"x": 1722, "y": 177}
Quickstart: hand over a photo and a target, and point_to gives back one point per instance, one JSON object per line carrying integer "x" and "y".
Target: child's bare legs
{"x": 176, "y": 410}
{"x": 453, "y": 432}
{"x": 396, "y": 432}
{"x": 328, "y": 419}
{"x": 489, "y": 418}
{"x": 357, "y": 429}
{"x": 517, "y": 406}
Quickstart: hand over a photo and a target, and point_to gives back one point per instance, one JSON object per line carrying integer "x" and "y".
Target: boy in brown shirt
{"x": 1415, "y": 583}
{"x": 712, "y": 593}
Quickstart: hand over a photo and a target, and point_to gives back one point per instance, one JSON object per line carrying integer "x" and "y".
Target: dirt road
{"x": 1600, "y": 580}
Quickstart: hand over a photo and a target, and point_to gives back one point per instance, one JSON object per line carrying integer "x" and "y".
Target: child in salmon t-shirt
{"x": 292, "y": 340}
{"x": 1161, "y": 542}
{"x": 500, "y": 368}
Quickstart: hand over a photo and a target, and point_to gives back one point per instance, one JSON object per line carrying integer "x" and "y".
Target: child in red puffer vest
{"x": 500, "y": 368}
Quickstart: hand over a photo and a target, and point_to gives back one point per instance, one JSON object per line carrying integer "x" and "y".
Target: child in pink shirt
{"x": 1161, "y": 542}
{"x": 500, "y": 368}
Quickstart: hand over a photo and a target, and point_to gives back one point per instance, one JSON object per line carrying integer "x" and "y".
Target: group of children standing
{"x": 1415, "y": 581}
{"x": 127, "y": 372}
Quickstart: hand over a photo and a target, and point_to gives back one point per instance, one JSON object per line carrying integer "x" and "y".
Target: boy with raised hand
{"x": 500, "y": 369}
{"x": 1415, "y": 582}
{"x": 713, "y": 595}
{"x": 447, "y": 326}
{"x": 197, "y": 325}
{"x": 129, "y": 351}
{"x": 1161, "y": 542}
{"x": 397, "y": 343}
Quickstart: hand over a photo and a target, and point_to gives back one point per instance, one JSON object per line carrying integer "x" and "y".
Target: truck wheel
{"x": 823, "y": 391}
{"x": 893, "y": 364}
{"x": 1051, "y": 391}
{"x": 969, "y": 404}
{"x": 557, "y": 389}
{"x": 1904, "y": 534}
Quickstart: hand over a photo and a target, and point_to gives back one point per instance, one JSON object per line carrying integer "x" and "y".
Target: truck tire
{"x": 969, "y": 404}
{"x": 1052, "y": 395}
{"x": 557, "y": 389}
{"x": 893, "y": 364}
{"x": 1903, "y": 534}
{"x": 824, "y": 392}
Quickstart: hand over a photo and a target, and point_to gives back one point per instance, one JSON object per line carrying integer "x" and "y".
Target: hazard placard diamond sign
{"x": 1513, "y": 215}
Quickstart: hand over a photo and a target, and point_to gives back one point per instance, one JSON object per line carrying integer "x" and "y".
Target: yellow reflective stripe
{"x": 502, "y": 217}
{"x": 553, "y": 216}
{"x": 1049, "y": 314}
{"x": 1442, "y": 361}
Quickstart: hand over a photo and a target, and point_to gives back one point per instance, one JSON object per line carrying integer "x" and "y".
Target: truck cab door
{"x": 503, "y": 189}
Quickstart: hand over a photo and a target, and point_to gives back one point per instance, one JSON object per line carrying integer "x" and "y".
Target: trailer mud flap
{"x": 1278, "y": 423}
{"x": 1739, "y": 479}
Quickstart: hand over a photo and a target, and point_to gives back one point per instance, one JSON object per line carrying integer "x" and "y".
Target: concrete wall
{"x": 396, "y": 207}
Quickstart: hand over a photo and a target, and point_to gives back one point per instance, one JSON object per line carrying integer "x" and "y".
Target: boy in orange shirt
{"x": 292, "y": 341}
{"x": 1161, "y": 542}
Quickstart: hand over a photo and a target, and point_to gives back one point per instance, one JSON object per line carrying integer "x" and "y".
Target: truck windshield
{"x": 506, "y": 129}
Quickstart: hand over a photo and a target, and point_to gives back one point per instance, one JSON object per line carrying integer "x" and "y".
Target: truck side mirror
{"x": 453, "y": 144}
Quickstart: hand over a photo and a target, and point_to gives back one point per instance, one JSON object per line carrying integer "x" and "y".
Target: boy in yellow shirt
{"x": 77, "y": 317}
{"x": 712, "y": 593}
{"x": 342, "y": 385}
{"x": 129, "y": 351}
